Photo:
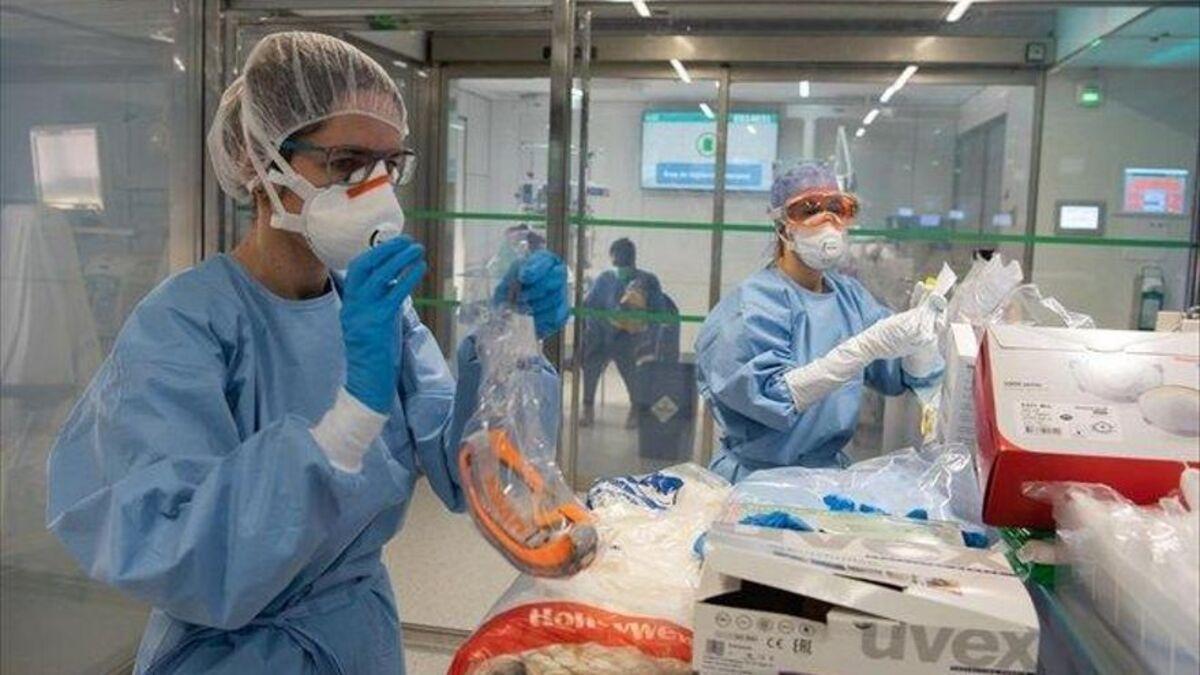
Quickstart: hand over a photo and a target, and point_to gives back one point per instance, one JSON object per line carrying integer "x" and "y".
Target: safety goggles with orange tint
{"x": 801, "y": 208}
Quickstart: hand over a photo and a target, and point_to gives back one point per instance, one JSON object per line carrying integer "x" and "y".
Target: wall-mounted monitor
{"x": 1079, "y": 217}
{"x": 679, "y": 150}
{"x": 1156, "y": 192}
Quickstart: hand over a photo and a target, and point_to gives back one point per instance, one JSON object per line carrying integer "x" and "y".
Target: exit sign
{"x": 1090, "y": 95}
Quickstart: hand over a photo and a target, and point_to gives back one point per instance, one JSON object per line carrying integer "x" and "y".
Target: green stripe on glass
{"x": 587, "y": 312}
{"x": 764, "y": 228}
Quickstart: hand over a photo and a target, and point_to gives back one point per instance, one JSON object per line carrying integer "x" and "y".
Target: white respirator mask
{"x": 341, "y": 221}
{"x": 338, "y": 221}
{"x": 820, "y": 249}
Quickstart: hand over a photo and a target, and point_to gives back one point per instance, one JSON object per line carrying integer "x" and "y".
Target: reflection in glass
{"x": 66, "y": 166}
{"x": 85, "y": 219}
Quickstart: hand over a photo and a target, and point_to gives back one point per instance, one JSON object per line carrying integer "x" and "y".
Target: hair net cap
{"x": 292, "y": 80}
{"x": 799, "y": 179}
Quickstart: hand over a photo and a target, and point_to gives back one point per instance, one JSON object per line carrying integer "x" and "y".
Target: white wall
{"x": 1149, "y": 118}
{"x": 1016, "y": 105}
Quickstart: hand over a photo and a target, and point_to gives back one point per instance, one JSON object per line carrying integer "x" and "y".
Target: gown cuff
{"x": 346, "y": 431}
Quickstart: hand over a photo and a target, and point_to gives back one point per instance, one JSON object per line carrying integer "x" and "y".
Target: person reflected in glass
{"x": 629, "y": 329}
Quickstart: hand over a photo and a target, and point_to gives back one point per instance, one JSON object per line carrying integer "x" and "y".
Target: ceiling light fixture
{"x": 681, "y": 71}
{"x": 957, "y": 11}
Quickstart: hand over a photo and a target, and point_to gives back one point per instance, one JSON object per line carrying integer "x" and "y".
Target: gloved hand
{"x": 902, "y": 334}
{"x": 377, "y": 284}
{"x": 926, "y": 360}
{"x": 894, "y": 337}
{"x": 540, "y": 281}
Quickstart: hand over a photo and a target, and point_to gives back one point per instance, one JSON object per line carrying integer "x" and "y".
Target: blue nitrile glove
{"x": 377, "y": 284}
{"x": 778, "y": 520}
{"x": 838, "y": 503}
{"x": 543, "y": 291}
{"x": 975, "y": 539}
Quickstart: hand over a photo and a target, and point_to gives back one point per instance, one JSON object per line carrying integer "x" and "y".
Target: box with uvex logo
{"x": 778, "y": 601}
{"x": 1121, "y": 408}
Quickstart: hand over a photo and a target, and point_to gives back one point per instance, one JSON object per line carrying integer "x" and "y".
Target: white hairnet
{"x": 292, "y": 80}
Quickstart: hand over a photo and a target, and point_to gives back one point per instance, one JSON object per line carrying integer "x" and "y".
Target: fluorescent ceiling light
{"x": 642, "y": 10}
{"x": 681, "y": 71}
{"x": 805, "y": 88}
{"x": 860, "y": 133}
{"x": 902, "y": 80}
{"x": 870, "y": 117}
{"x": 400, "y": 64}
{"x": 707, "y": 111}
{"x": 957, "y": 11}
{"x": 751, "y": 129}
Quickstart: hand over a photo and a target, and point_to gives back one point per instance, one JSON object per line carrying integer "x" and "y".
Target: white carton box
{"x": 776, "y": 601}
{"x": 957, "y": 412}
{"x": 1120, "y": 408}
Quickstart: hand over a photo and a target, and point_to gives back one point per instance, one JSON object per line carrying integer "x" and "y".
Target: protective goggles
{"x": 801, "y": 208}
{"x": 539, "y": 525}
{"x": 348, "y": 165}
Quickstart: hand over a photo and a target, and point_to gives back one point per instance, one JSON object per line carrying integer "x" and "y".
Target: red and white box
{"x": 1121, "y": 408}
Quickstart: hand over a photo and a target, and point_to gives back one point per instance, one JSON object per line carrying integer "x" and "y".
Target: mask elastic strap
{"x": 284, "y": 175}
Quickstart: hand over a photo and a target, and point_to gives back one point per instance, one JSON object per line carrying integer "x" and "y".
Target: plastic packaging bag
{"x": 984, "y": 287}
{"x": 1139, "y": 566}
{"x": 515, "y": 494}
{"x": 929, "y": 495}
{"x": 631, "y": 610}
{"x": 1025, "y": 305}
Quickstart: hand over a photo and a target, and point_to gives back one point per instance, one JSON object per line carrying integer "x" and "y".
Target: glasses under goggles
{"x": 800, "y": 209}
{"x": 346, "y": 165}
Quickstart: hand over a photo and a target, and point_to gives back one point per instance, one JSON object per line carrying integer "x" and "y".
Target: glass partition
{"x": 941, "y": 170}
{"x": 652, "y": 150}
{"x": 1119, "y": 148}
{"x": 100, "y": 175}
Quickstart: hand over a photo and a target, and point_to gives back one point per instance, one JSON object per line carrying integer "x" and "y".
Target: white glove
{"x": 346, "y": 431}
{"x": 897, "y": 336}
{"x": 927, "y": 360}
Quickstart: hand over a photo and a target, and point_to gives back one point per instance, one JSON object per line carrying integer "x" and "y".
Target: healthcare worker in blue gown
{"x": 255, "y": 435}
{"x": 783, "y": 358}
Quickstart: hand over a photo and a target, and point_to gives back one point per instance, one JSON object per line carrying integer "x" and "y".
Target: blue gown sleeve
{"x": 437, "y": 409}
{"x": 746, "y": 358}
{"x": 153, "y": 489}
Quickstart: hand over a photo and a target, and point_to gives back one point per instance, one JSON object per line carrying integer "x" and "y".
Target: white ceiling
{"x": 1168, "y": 37}
{"x": 652, "y": 91}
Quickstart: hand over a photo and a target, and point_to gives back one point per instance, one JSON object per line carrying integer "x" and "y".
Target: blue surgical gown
{"x": 187, "y": 476}
{"x": 767, "y": 326}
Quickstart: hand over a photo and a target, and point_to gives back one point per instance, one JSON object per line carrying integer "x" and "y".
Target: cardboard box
{"x": 956, "y": 421}
{"x": 777, "y": 601}
{"x": 1056, "y": 404}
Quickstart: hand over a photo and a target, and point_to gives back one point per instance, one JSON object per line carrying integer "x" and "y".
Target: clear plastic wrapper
{"x": 929, "y": 495}
{"x": 1026, "y": 305}
{"x": 631, "y": 610}
{"x": 984, "y": 287}
{"x": 1138, "y": 567}
{"x": 515, "y": 493}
